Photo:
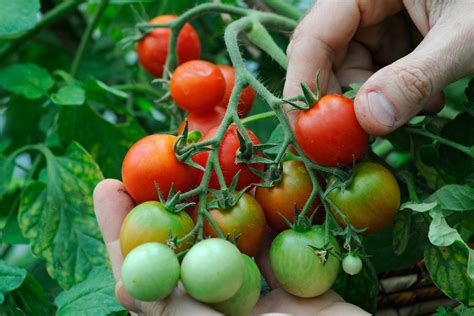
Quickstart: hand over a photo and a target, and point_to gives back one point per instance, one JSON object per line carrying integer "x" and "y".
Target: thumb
{"x": 396, "y": 93}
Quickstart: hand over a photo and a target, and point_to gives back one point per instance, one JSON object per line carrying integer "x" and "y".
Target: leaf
{"x": 28, "y": 80}
{"x": 70, "y": 94}
{"x": 353, "y": 90}
{"x": 57, "y": 216}
{"x": 418, "y": 207}
{"x": 448, "y": 269}
{"x": 94, "y": 296}
{"x": 17, "y": 16}
{"x": 440, "y": 233}
{"x": 454, "y": 197}
{"x": 360, "y": 289}
{"x": 277, "y": 137}
{"x": 7, "y": 166}
{"x": 11, "y": 277}
{"x": 401, "y": 232}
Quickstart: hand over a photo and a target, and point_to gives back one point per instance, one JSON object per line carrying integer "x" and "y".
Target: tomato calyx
{"x": 271, "y": 177}
{"x": 228, "y": 197}
{"x": 171, "y": 204}
{"x": 324, "y": 252}
{"x": 248, "y": 152}
{"x": 185, "y": 150}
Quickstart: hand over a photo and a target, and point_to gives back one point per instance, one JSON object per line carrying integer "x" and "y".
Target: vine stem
{"x": 258, "y": 117}
{"x": 86, "y": 37}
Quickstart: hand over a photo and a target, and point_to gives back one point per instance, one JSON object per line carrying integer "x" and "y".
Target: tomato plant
{"x": 152, "y": 49}
{"x": 213, "y": 270}
{"x": 370, "y": 201}
{"x": 246, "y": 96}
{"x": 152, "y": 160}
{"x": 197, "y": 86}
{"x": 203, "y": 121}
{"x": 329, "y": 132}
{"x": 150, "y": 272}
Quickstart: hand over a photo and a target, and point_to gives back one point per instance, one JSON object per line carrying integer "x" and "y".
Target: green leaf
{"x": 454, "y": 197}
{"x": 352, "y": 90}
{"x": 11, "y": 278}
{"x": 418, "y": 207}
{"x": 57, "y": 215}
{"x": 70, "y": 94}
{"x": 440, "y": 233}
{"x": 28, "y": 80}
{"x": 277, "y": 137}
{"x": 94, "y": 296}
{"x": 7, "y": 165}
{"x": 401, "y": 232}
{"x": 17, "y": 16}
{"x": 448, "y": 269}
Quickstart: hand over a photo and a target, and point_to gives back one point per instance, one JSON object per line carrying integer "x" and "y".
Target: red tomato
{"x": 153, "y": 48}
{"x": 152, "y": 159}
{"x": 227, "y": 154}
{"x": 246, "y": 96}
{"x": 329, "y": 132}
{"x": 293, "y": 190}
{"x": 197, "y": 86}
{"x": 203, "y": 121}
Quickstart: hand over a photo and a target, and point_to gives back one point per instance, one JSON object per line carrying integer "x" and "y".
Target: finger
{"x": 111, "y": 204}
{"x": 396, "y": 93}
{"x": 357, "y": 66}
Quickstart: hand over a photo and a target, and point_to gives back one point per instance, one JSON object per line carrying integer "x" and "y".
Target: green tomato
{"x": 297, "y": 267}
{"x": 150, "y": 272}
{"x": 242, "y": 302}
{"x": 212, "y": 271}
{"x": 352, "y": 264}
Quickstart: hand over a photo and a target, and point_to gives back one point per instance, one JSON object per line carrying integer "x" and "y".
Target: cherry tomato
{"x": 371, "y": 200}
{"x": 329, "y": 132}
{"x": 242, "y": 302}
{"x": 298, "y": 268}
{"x": 293, "y": 190}
{"x": 152, "y": 159}
{"x": 227, "y": 154}
{"x": 151, "y": 222}
{"x": 153, "y": 48}
{"x": 213, "y": 270}
{"x": 150, "y": 272}
{"x": 245, "y": 221}
{"x": 203, "y": 121}
{"x": 197, "y": 86}
{"x": 246, "y": 96}
{"x": 352, "y": 264}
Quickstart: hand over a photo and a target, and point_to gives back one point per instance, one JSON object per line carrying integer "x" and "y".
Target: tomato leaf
{"x": 440, "y": 233}
{"x": 17, "y": 16}
{"x": 93, "y": 296}
{"x": 57, "y": 216}
{"x": 11, "y": 277}
{"x": 401, "y": 232}
{"x": 418, "y": 207}
{"x": 70, "y": 94}
{"x": 28, "y": 80}
{"x": 454, "y": 197}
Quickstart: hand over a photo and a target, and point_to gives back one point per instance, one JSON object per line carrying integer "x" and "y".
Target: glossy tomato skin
{"x": 150, "y": 272}
{"x": 213, "y": 270}
{"x": 246, "y": 96}
{"x": 153, "y": 48}
{"x": 203, "y": 121}
{"x": 245, "y": 220}
{"x": 151, "y": 222}
{"x": 197, "y": 86}
{"x": 152, "y": 159}
{"x": 297, "y": 267}
{"x": 227, "y": 154}
{"x": 293, "y": 190}
{"x": 352, "y": 264}
{"x": 371, "y": 200}
{"x": 242, "y": 302}
{"x": 329, "y": 132}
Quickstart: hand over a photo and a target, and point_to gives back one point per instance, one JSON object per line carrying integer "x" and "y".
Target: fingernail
{"x": 381, "y": 109}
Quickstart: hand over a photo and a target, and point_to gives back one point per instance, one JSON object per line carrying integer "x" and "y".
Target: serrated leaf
{"x": 454, "y": 197}
{"x": 95, "y": 296}
{"x": 28, "y": 80}
{"x": 57, "y": 215}
{"x": 70, "y": 94}
{"x": 11, "y": 277}
{"x": 418, "y": 207}
{"x": 18, "y": 16}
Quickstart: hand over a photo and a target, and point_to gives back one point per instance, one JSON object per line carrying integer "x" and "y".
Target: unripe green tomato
{"x": 242, "y": 302}
{"x": 150, "y": 272}
{"x": 352, "y": 264}
{"x": 212, "y": 271}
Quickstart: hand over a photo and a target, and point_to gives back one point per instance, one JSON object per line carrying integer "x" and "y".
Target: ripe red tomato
{"x": 203, "y": 121}
{"x": 329, "y": 132}
{"x": 245, "y": 220}
{"x": 293, "y": 190}
{"x": 227, "y": 154}
{"x": 153, "y": 48}
{"x": 197, "y": 86}
{"x": 152, "y": 159}
{"x": 371, "y": 200}
{"x": 246, "y": 96}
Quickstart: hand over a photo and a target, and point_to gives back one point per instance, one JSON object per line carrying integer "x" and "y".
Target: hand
{"x": 112, "y": 203}
{"x": 349, "y": 40}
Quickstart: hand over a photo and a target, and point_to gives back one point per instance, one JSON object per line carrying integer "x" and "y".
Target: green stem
{"x": 468, "y": 151}
{"x": 52, "y": 16}
{"x": 284, "y": 8}
{"x": 214, "y": 224}
{"x": 86, "y": 37}
{"x": 260, "y": 37}
{"x": 138, "y": 88}
{"x": 258, "y": 117}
